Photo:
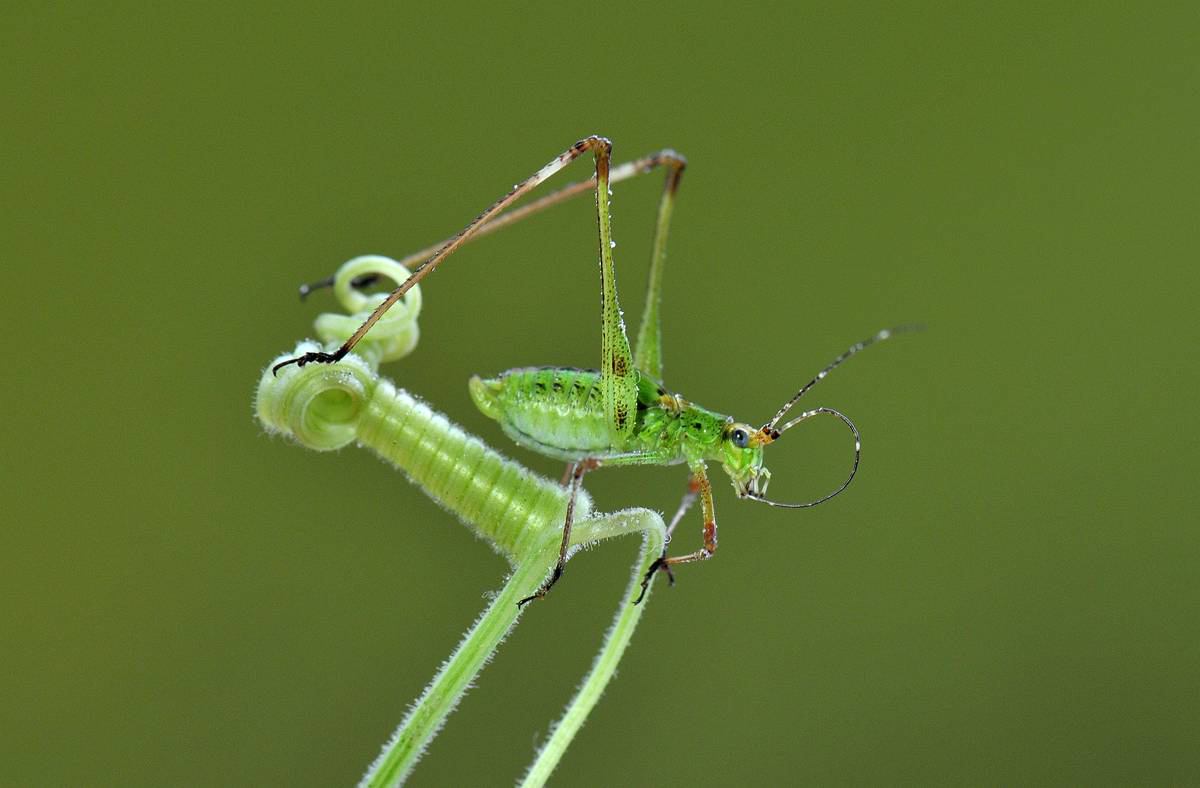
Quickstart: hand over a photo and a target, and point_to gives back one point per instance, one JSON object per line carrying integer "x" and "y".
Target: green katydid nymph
{"x": 619, "y": 414}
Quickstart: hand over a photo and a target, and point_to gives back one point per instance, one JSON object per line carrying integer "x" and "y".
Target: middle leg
{"x": 576, "y": 472}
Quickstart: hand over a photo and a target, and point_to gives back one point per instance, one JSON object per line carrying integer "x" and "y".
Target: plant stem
{"x": 517, "y": 511}
{"x": 615, "y": 641}
{"x": 425, "y": 718}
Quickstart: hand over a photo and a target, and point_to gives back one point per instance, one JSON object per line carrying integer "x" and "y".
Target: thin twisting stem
{"x": 616, "y": 640}
{"x": 518, "y": 512}
{"x": 428, "y": 714}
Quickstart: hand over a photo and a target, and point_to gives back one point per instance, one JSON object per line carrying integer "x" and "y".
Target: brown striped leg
{"x": 622, "y": 172}
{"x": 588, "y": 145}
{"x": 647, "y": 350}
{"x": 577, "y": 470}
{"x": 697, "y": 486}
{"x": 599, "y": 146}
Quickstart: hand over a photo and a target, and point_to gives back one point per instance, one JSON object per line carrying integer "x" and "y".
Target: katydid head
{"x": 742, "y": 457}
{"x": 751, "y": 481}
{"x": 744, "y": 452}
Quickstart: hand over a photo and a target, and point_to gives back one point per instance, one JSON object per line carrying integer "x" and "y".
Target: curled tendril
{"x": 396, "y": 333}
{"x": 326, "y": 406}
{"x": 318, "y": 405}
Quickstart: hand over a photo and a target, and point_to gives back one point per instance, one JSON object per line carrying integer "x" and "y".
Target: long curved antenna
{"x": 769, "y": 427}
{"x": 854, "y": 470}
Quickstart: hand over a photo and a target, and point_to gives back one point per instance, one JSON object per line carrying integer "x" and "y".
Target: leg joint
{"x": 594, "y": 142}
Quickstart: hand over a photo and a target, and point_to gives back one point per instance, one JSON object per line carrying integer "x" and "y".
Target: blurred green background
{"x": 1008, "y": 592}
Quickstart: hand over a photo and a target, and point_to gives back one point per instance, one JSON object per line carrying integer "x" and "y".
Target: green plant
{"x": 619, "y": 414}
{"x": 515, "y": 510}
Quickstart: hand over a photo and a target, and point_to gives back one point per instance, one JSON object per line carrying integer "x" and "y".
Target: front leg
{"x": 572, "y": 479}
{"x": 697, "y": 486}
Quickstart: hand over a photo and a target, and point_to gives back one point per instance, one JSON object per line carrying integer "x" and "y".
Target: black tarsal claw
{"x": 638, "y": 601}
{"x": 275, "y": 369}
{"x": 660, "y": 565}
{"x": 318, "y": 356}
{"x": 544, "y": 588}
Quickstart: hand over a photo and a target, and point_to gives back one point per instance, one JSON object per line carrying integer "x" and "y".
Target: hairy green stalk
{"x": 605, "y": 666}
{"x": 619, "y": 414}
{"x": 517, "y": 511}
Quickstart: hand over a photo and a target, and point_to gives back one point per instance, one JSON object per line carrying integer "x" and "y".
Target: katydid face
{"x": 742, "y": 457}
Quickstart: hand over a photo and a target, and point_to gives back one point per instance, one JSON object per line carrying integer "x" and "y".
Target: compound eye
{"x": 740, "y": 438}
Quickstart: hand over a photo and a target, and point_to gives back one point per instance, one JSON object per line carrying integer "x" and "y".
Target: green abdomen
{"x": 558, "y": 412}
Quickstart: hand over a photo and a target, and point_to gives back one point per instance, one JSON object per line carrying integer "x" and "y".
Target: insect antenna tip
{"x": 308, "y": 287}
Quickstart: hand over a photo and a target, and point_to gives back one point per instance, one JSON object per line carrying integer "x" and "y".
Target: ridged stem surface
{"x": 517, "y": 511}
{"x": 497, "y": 497}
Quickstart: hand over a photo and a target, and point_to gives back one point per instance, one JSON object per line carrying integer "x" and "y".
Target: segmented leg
{"x": 491, "y": 219}
{"x": 618, "y": 378}
{"x": 698, "y": 486}
{"x": 574, "y": 478}
{"x": 423, "y": 270}
{"x": 577, "y": 470}
{"x": 647, "y": 356}
{"x": 621, "y": 172}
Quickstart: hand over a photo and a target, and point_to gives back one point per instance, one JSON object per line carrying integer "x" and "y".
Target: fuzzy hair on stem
{"x": 518, "y": 512}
